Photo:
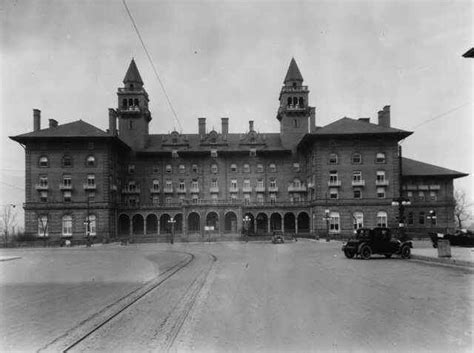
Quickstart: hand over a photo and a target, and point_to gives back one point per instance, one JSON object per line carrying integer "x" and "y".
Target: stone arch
{"x": 289, "y": 222}
{"x": 275, "y": 221}
{"x": 303, "y": 222}
{"x": 230, "y": 222}
{"x": 164, "y": 224}
{"x": 178, "y": 226}
{"x": 262, "y": 223}
{"x": 212, "y": 219}
{"x": 251, "y": 224}
{"x": 194, "y": 222}
{"x": 151, "y": 224}
{"x": 124, "y": 225}
{"x": 138, "y": 224}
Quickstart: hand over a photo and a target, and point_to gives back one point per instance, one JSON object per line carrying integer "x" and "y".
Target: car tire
{"x": 365, "y": 252}
{"x": 349, "y": 253}
{"x": 405, "y": 252}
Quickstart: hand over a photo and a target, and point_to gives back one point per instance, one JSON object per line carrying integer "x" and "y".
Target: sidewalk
{"x": 459, "y": 256}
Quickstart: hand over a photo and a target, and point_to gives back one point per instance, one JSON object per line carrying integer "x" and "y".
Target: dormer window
{"x": 333, "y": 159}
{"x": 44, "y": 162}
{"x": 90, "y": 161}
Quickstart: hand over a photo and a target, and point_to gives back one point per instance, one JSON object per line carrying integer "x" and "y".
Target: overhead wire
{"x": 152, "y": 64}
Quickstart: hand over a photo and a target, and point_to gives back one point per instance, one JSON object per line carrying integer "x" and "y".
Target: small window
{"x": 272, "y": 168}
{"x": 333, "y": 193}
{"x": 67, "y": 161}
{"x": 233, "y": 167}
{"x": 43, "y": 226}
{"x": 182, "y": 168}
{"x": 181, "y": 185}
{"x": 410, "y": 194}
{"x": 246, "y": 168}
{"x": 214, "y": 168}
{"x": 380, "y": 176}
{"x": 67, "y": 180}
{"x": 273, "y": 183}
{"x": 333, "y": 177}
{"x": 382, "y": 219}
{"x": 421, "y": 218}
{"x": 67, "y": 196}
{"x": 43, "y": 162}
{"x": 334, "y": 222}
{"x": 91, "y": 180}
{"x": 90, "y": 161}
{"x": 357, "y": 194}
{"x": 421, "y": 195}
{"x": 131, "y": 125}
{"x": 214, "y": 153}
{"x": 433, "y": 195}
{"x": 381, "y": 193}
{"x": 43, "y": 181}
{"x": 356, "y": 176}
{"x": 168, "y": 168}
{"x": 356, "y": 158}
{"x": 233, "y": 184}
{"x": 259, "y": 168}
{"x": 131, "y": 169}
{"x": 333, "y": 158}
{"x": 253, "y": 152}
{"x": 296, "y": 167}
{"x": 380, "y": 157}
{"x": 410, "y": 218}
{"x": 155, "y": 200}
{"x": 44, "y": 196}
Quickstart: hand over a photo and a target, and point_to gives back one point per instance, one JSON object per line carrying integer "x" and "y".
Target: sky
{"x": 229, "y": 58}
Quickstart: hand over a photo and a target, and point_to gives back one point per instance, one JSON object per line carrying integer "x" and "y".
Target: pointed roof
{"x": 132, "y": 74}
{"x": 411, "y": 167}
{"x": 293, "y": 73}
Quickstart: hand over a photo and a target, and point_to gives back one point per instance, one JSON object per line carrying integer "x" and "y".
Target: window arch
{"x": 67, "y": 225}
{"x": 90, "y": 161}
{"x": 301, "y": 102}
{"x": 381, "y": 219}
{"x": 358, "y": 220}
{"x": 333, "y": 158}
{"x": 43, "y": 162}
{"x": 380, "y": 157}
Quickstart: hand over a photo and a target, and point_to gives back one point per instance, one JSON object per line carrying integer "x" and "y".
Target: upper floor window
{"x": 296, "y": 167}
{"x": 131, "y": 169}
{"x": 44, "y": 162}
{"x": 272, "y": 168}
{"x": 421, "y": 195}
{"x": 182, "y": 168}
{"x": 380, "y": 157}
{"x": 91, "y": 179}
{"x": 67, "y": 181}
{"x": 259, "y": 168}
{"x": 169, "y": 184}
{"x": 333, "y": 158}
{"x": 233, "y": 167}
{"x": 357, "y": 175}
{"x": 334, "y": 222}
{"x": 233, "y": 184}
{"x": 67, "y": 225}
{"x": 381, "y": 193}
{"x": 91, "y": 224}
{"x": 195, "y": 185}
{"x": 333, "y": 193}
{"x": 214, "y": 168}
{"x": 333, "y": 178}
{"x": 156, "y": 169}
{"x": 181, "y": 185}
{"x": 260, "y": 183}
{"x": 131, "y": 125}
{"x": 380, "y": 175}
{"x": 214, "y": 153}
{"x": 296, "y": 183}
{"x": 156, "y": 184}
{"x": 43, "y": 181}
{"x": 356, "y": 158}
{"x": 67, "y": 161}
{"x": 90, "y": 161}
{"x": 246, "y": 168}
{"x": 194, "y": 168}
{"x": 433, "y": 195}
{"x": 421, "y": 218}
{"x": 273, "y": 183}
{"x": 253, "y": 152}
{"x": 214, "y": 183}
{"x": 168, "y": 168}
{"x": 410, "y": 218}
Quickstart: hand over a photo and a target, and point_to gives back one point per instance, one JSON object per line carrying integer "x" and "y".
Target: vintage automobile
{"x": 277, "y": 237}
{"x": 460, "y": 237}
{"x": 376, "y": 241}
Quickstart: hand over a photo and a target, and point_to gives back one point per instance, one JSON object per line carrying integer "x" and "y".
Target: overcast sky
{"x": 229, "y": 58}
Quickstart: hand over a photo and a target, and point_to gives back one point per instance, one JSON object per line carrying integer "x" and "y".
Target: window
{"x": 214, "y": 168}
{"x": 260, "y": 183}
{"x": 155, "y": 199}
{"x": 131, "y": 125}
{"x": 333, "y": 179}
{"x": 91, "y": 180}
{"x": 67, "y": 161}
{"x": 247, "y": 199}
{"x": 260, "y": 198}
{"x": 67, "y": 181}
{"x": 43, "y": 226}
{"x": 334, "y": 222}
{"x": 410, "y": 194}
{"x": 295, "y": 123}
{"x": 333, "y": 193}
{"x": 433, "y": 195}
{"x": 132, "y": 201}
{"x": 380, "y": 176}
{"x": 131, "y": 169}
{"x": 432, "y": 217}
{"x": 357, "y": 194}
{"x": 67, "y": 225}
{"x": 273, "y": 183}
{"x": 272, "y": 168}
{"x": 233, "y": 167}
{"x": 132, "y": 185}
{"x": 296, "y": 183}
{"x": 246, "y": 183}
{"x": 194, "y": 185}
{"x": 214, "y": 153}
{"x": 358, "y": 220}
{"x": 382, "y": 219}
{"x": 356, "y": 158}
{"x": 156, "y": 185}
{"x": 357, "y": 176}
{"x": 381, "y": 193}
{"x": 67, "y": 196}
{"x": 194, "y": 168}
{"x": 380, "y": 157}
{"x": 246, "y": 168}
{"x": 410, "y": 218}
{"x": 174, "y": 154}
{"x": 259, "y": 168}
{"x": 181, "y": 186}
{"x": 233, "y": 184}
{"x": 421, "y": 218}
{"x": 44, "y": 196}
{"x": 296, "y": 167}
{"x": 90, "y": 161}
{"x": 169, "y": 184}
{"x": 214, "y": 183}
{"x": 43, "y": 181}
{"x": 44, "y": 162}
{"x": 273, "y": 197}
{"x": 421, "y": 195}
{"x": 333, "y": 159}
{"x": 156, "y": 169}
{"x": 168, "y": 168}
{"x": 182, "y": 168}
{"x": 253, "y": 152}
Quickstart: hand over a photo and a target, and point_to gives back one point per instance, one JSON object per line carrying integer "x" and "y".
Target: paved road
{"x": 294, "y": 297}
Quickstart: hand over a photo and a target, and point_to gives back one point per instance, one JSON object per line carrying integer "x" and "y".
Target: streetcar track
{"x": 87, "y": 327}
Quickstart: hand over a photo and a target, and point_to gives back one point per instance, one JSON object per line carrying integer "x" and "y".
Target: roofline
{"x": 450, "y": 176}
{"x": 24, "y": 139}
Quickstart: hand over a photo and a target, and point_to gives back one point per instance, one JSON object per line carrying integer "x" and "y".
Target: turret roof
{"x": 132, "y": 74}
{"x": 293, "y": 73}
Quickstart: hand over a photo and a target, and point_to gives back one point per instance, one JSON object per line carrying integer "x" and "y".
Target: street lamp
{"x": 432, "y": 217}
{"x": 401, "y": 202}
{"x": 246, "y": 221}
{"x": 327, "y": 218}
{"x": 172, "y": 221}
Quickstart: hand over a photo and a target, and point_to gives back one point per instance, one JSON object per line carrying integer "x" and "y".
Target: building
{"x": 305, "y": 179}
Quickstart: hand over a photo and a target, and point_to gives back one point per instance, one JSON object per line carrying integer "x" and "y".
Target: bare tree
{"x": 8, "y": 220}
{"x": 461, "y": 207}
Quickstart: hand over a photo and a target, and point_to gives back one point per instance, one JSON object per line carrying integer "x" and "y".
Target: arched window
{"x": 233, "y": 167}
{"x": 130, "y": 102}
{"x": 135, "y": 102}
{"x": 214, "y": 168}
{"x": 295, "y": 101}
{"x": 333, "y": 158}
{"x": 382, "y": 219}
{"x": 380, "y": 157}
{"x": 44, "y": 162}
{"x": 156, "y": 185}
{"x": 358, "y": 220}
{"x": 289, "y": 101}
{"x": 272, "y": 168}
{"x": 334, "y": 222}
{"x": 67, "y": 225}
{"x": 124, "y": 103}
{"x": 90, "y": 161}
{"x": 301, "y": 102}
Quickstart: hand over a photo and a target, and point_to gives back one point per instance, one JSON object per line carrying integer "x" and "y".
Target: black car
{"x": 461, "y": 237}
{"x": 376, "y": 241}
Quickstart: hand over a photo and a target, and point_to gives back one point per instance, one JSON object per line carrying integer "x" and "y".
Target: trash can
{"x": 444, "y": 248}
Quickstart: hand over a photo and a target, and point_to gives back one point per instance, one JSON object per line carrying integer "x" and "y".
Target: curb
{"x": 9, "y": 258}
{"x": 444, "y": 261}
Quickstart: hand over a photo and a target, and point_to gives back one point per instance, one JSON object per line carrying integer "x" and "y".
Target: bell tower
{"x": 295, "y": 115}
{"x": 133, "y": 114}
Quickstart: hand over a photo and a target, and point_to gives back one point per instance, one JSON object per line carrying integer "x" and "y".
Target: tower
{"x": 132, "y": 112}
{"x": 295, "y": 116}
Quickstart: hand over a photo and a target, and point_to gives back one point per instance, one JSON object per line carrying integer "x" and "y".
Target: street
{"x": 241, "y": 297}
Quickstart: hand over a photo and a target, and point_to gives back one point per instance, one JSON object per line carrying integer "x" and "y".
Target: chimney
{"x": 112, "y": 122}
{"x": 250, "y": 125}
{"x": 312, "y": 120}
{"x": 202, "y": 127}
{"x": 53, "y": 123}
{"x": 384, "y": 116}
{"x": 225, "y": 126}
{"x": 36, "y": 119}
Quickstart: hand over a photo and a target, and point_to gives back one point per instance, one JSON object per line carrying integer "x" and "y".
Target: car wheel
{"x": 349, "y": 253}
{"x": 435, "y": 245}
{"x": 406, "y": 252}
{"x": 388, "y": 256}
{"x": 365, "y": 252}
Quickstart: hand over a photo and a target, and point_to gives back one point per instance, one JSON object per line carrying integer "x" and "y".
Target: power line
{"x": 441, "y": 115}
{"x": 152, "y": 64}
{"x": 13, "y": 186}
